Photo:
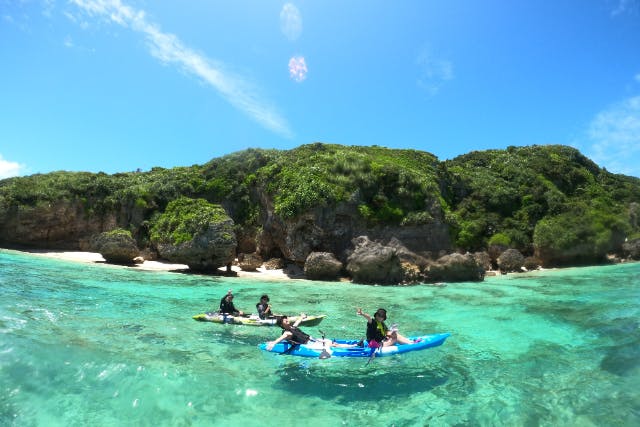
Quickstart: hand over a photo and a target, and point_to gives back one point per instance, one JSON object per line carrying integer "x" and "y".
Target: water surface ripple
{"x": 109, "y": 346}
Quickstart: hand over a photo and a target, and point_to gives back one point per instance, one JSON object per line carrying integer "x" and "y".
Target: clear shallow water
{"x": 110, "y": 346}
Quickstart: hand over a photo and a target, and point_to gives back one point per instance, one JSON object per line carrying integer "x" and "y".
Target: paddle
{"x": 373, "y": 352}
{"x": 324, "y": 354}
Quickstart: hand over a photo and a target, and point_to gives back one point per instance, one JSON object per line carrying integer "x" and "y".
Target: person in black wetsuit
{"x": 227, "y": 307}
{"x": 264, "y": 308}
{"x": 295, "y": 335}
{"x": 290, "y": 332}
{"x": 378, "y": 334}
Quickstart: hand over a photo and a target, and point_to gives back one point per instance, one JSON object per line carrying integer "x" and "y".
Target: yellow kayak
{"x": 254, "y": 320}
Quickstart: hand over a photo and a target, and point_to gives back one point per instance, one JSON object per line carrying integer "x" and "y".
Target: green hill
{"x": 550, "y": 201}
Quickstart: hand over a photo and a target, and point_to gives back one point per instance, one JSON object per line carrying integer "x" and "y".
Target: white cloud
{"x": 290, "y": 21}
{"x": 169, "y": 49}
{"x": 9, "y": 169}
{"x": 433, "y": 72}
{"x": 637, "y": 77}
{"x": 614, "y": 138}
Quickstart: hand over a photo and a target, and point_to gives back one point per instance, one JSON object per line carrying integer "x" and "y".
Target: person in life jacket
{"x": 295, "y": 335}
{"x": 378, "y": 334}
{"x": 263, "y": 307}
{"x": 227, "y": 307}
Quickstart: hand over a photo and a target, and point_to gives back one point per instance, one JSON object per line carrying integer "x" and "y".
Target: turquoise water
{"x": 92, "y": 344}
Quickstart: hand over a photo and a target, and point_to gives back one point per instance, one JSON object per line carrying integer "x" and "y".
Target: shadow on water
{"x": 620, "y": 358}
{"x": 347, "y": 381}
{"x": 624, "y": 356}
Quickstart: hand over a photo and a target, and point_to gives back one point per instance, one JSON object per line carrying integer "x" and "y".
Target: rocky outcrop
{"x": 209, "y": 250}
{"x": 494, "y": 251}
{"x": 631, "y": 249}
{"x": 249, "y": 262}
{"x": 116, "y": 246}
{"x": 322, "y": 266}
{"x": 196, "y": 233}
{"x": 510, "y": 260}
{"x": 274, "y": 264}
{"x": 454, "y": 268}
{"x": 531, "y": 263}
{"x": 372, "y": 262}
{"x": 59, "y": 225}
{"x": 331, "y": 229}
{"x": 411, "y": 273}
{"x": 483, "y": 259}
{"x": 407, "y": 256}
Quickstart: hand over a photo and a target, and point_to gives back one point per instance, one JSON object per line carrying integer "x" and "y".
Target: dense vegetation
{"x": 389, "y": 186}
{"x": 185, "y": 218}
{"x": 547, "y": 197}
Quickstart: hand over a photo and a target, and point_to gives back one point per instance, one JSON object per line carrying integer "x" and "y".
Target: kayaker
{"x": 263, "y": 307}
{"x": 227, "y": 307}
{"x": 295, "y": 335}
{"x": 378, "y": 334}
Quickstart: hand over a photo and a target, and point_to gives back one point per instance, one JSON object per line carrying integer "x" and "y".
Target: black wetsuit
{"x": 261, "y": 310}
{"x": 227, "y": 307}
{"x": 298, "y": 337}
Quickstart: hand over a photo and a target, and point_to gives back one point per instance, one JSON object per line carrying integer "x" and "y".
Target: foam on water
{"x": 99, "y": 345}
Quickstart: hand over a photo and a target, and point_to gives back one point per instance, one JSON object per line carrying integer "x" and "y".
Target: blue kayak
{"x": 316, "y": 348}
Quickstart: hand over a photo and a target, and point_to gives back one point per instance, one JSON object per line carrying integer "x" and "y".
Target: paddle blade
{"x": 324, "y": 354}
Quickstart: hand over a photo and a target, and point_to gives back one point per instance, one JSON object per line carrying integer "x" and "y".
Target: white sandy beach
{"x": 94, "y": 257}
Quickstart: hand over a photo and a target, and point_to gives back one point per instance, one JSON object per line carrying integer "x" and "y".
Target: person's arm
{"x": 363, "y": 314}
{"x": 284, "y": 336}
{"x": 299, "y": 319}
{"x": 235, "y": 310}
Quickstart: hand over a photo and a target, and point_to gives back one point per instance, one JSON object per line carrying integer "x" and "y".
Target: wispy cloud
{"x": 625, "y": 6}
{"x": 614, "y": 137}
{"x": 169, "y": 49}
{"x": 433, "y": 72}
{"x": 9, "y": 169}
{"x": 290, "y": 21}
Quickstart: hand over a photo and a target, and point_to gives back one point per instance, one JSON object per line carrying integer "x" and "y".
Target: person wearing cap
{"x": 227, "y": 307}
{"x": 263, "y": 307}
{"x": 378, "y": 334}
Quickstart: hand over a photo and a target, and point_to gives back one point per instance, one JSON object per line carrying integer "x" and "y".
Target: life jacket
{"x": 376, "y": 331}
{"x": 260, "y": 307}
{"x": 298, "y": 337}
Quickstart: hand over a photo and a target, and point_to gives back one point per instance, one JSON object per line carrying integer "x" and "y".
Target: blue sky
{"x": 120, "y": 85}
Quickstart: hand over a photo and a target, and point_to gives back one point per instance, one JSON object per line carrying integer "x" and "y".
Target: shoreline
{"x": 260, "y": 274}
{"x": 164, "y": 266}
{"x": 147, "y": 265}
